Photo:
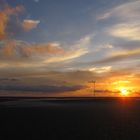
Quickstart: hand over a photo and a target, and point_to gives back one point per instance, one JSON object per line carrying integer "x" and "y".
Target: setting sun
{"x": 124, "y": 92}
{"x": 124, "y": 87}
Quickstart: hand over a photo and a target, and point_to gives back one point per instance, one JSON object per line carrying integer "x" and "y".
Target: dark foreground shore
{"x": 70, "y": 118}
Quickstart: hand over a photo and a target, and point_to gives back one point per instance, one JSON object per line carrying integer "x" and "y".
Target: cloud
{"x": 5, "y": 12}
{"x": 57, "y": 82}
{"x": 17, "y": 50}
{"x": 126, "y": 31}
{"x": 107, "y": 46}
{"x": 10, "y": 24}
{"x": 3, "y": 23}
{"x": 46, "y": 89}
{"x": 104, "y": 91}
{"x": 125, "y": 21}
{"x": 84, "y": 41}
{"x": 29, "y": 50}
{"x": 101, "y": 69}
{"x": 19, "y": 54}
{"x": 127, "y": 44}
{"x": 103, "y": 46}
{"x": 71, "y": 54}
{"x": 126, "y": 11}
{"x": 29, "y": 24}
{"x": 45, "y": 77}
{"x": 121, "y": 56}
{"x": 8, "y": 79}
{"x": 77, "y": 49}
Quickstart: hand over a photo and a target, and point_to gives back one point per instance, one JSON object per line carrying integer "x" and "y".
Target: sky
{"x": 58, "y": 48}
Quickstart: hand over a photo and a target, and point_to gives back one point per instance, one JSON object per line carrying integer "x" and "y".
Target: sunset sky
{"x": 58, "y": 47}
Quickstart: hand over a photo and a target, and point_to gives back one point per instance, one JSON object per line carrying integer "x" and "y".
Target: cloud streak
{"x": 71, "y": 54}
{"x": 29, "y": 24}
{"x": 17, "y": 50}
{"x": 114, "y": 57}
{"x": 47, "y": 89}
{"x": 126, "y": 23}
{"x": 119, "y": 57}
{"x": 20, "y": 53}
{"x": 127, "y": 31}
{"x": 123, "y": 12}
{"x": 77, "y": 49}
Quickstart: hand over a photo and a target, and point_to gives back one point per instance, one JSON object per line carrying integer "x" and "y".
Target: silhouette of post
{"x": 94, "y": 83}
{"x": 94, "y": 88}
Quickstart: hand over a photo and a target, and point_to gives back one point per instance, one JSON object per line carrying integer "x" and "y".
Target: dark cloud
{"x": 9, "y": 79}
{"x": 33, "y": 77}
{"x": 47, "y": 89}
{"x": 117, "y": 58}
{"x": 104, "y": 91}
{"x": 127, "y": 45}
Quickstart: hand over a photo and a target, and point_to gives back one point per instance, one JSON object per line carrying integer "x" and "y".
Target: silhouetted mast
{"x": 94, "y": 87}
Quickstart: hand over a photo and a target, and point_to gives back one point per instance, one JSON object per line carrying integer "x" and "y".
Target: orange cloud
{"x": 3, "y": 22}
{"x": 44, "y": 53}
{"x": 50, "y": 48}
{"x": 8, "y": 50}
{"x": 5, "y": 14}
{"x": 15, "y": 49}
{"x": 30, "y": 24}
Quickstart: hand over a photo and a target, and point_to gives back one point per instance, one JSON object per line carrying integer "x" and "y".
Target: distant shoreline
{"x": 11, "y": 98}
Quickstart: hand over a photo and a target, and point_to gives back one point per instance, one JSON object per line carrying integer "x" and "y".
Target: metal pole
{"x": 94, "y": 89}
{"x": 93, "y": 82}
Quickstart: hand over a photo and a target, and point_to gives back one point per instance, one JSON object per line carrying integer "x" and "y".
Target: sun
{"x": 124, "y": 92}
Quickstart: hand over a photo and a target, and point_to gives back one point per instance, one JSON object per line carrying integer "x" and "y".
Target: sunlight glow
{"x": 124, "y": 92}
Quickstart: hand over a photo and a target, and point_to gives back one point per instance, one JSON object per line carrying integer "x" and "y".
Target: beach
{"x": 71, "y": 118}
